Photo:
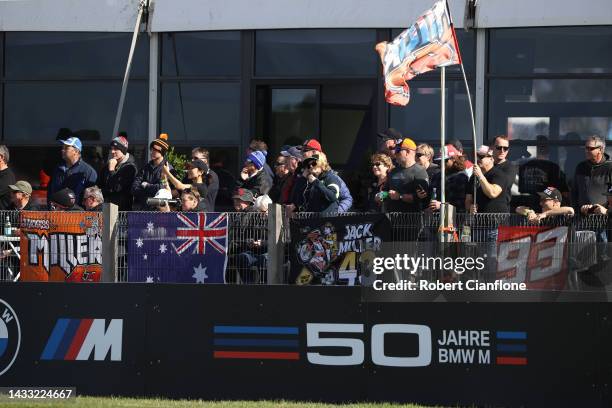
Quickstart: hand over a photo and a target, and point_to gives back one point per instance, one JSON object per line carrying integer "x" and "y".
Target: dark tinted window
{"x": 64, "y": 55}
{"x": 315, "y": 53}
{"x": 420, "y": 119}
{"x": 201, "y": 53}
{"x": 550, "y": 50}
{"x": 35, "y": 111}
{"x": 202, "y": 112}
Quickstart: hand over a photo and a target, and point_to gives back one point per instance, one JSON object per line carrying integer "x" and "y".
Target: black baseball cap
{"x": 551, "y": 193}
{"x": 64, "y": 197}
{"x": 199, "y": 164}
{"x": 389, "y": 134}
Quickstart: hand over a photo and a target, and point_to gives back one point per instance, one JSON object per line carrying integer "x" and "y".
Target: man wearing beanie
{"x": 118, "y": 175}
{"x": 149, "y": 179}
{"x": 253, "y": 177}
{"x": 74, "y": 173}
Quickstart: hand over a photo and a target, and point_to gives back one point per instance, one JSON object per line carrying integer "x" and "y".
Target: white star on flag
{"x": 200, "y": 274}
{"x": 163, "y": 248}
{"x": 139, "y": 243}
{"x": 145, "y": 256}
{"x": 149, "y": 279}
{"x": 150, "y": 227}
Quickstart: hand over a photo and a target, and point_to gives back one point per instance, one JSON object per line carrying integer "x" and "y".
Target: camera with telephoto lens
{"x": 161, "y": 202}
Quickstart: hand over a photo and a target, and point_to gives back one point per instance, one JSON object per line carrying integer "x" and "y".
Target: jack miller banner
{"x": 61, "y": 246}
{"x": 428, "y": 44}
{"x": 177, "y": 247}
{"x": 336, "y": 250}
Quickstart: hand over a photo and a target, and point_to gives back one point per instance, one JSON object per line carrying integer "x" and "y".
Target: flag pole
{"x": 443, "y": 153}
{"x": 474, "y": 143}
{"x": 141, "y": 8}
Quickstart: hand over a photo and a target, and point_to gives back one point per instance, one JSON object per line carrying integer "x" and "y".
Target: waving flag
{"x": 177, "y": 247}
{"x": 428, "y": 44}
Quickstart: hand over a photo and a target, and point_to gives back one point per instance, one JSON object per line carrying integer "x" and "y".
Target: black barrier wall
{"x": 315, "y": 343}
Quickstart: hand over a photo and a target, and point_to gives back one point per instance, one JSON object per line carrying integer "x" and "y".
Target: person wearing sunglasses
{"x": 118, "y": 175}
{"x": 424, "y": 157}
{"x": 283, "y": 178}
{"x": 322, "y": 191}
{"x": 93, "y": 199}
{"x": 491, "y": 184}
{"x": 378, "y": 191}
{"x": 196, "y": 175}
{"x": 500, "y": 150}
{"x": 592, "y": 175}
{"x": 408, "y": 182}
{"x": 211, "y": 178}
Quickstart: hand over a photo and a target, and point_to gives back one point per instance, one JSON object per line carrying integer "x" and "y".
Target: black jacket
{"x": 591, "y": 182}
{"x": 259, "y": 184}
{"x": 322, "y": 195}
{"x": 117, "y": 185}
{"x": 150, "y": 174}
{"x": 6, "y": 179}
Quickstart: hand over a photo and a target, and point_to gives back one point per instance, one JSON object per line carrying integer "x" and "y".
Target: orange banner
{"x": 61, "y": 246}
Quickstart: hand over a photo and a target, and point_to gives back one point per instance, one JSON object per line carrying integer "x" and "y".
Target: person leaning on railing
{"x": 550, "y": 202}
{"x": 196, "y": 173}
{"x": 378, "y": 192}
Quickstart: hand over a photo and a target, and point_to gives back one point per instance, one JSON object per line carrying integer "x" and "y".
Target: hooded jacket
{"x": 117, "y": 184}
{"x": 591, "y": 182}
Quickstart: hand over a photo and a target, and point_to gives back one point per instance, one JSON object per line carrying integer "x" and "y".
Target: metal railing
{"x": 416, "y": 233}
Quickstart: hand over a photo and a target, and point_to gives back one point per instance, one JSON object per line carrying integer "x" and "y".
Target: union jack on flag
{"x": 201, "y": 233}
{"x": 177, "y": 247}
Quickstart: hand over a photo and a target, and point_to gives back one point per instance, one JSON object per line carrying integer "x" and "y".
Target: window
{"x": 552, "y": 82}
{"x": 37, "y": 110}
{"x": 201, "y": 53}
{"x": 204, "y": 112}
{"x": 42, "y": 55}
{"x": 316, "y": 53}
{"x": 420, "y": 119}
{"x": 543, "y": 50}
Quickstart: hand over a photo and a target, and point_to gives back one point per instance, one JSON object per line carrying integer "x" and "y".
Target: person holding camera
{"x": 196, "y": 174}
{"x": 322, "y": 190}
{"x": 189, "y": 201}
{"x": 149, "y": 179}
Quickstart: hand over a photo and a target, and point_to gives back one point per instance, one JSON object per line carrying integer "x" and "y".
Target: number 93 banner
{"x": 336, "y": 250}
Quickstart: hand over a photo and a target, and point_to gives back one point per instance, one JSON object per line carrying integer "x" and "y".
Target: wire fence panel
{"x": 9, "y": 246}
{"x": 246, "y": 247}
{"x": 411, "y": 233}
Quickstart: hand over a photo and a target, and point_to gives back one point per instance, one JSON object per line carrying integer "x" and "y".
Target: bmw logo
{"x": 10, "y": 336}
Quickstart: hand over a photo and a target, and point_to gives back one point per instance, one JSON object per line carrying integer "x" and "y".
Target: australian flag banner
{"x": 426, "y": 45}
{"x": 177, "y": 247}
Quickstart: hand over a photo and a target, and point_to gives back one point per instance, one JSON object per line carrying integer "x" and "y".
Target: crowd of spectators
{"x": 404, "y": 177}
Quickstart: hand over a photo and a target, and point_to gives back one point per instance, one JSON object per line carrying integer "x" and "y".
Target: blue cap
{"x": 74, "y": 142}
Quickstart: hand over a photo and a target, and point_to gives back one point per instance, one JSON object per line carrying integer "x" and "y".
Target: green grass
{"x": 91, "y": 402}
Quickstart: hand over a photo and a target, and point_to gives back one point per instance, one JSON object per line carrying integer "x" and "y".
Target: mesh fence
{"x": 246, "y": 250}
{"x": 414, "y": 233}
